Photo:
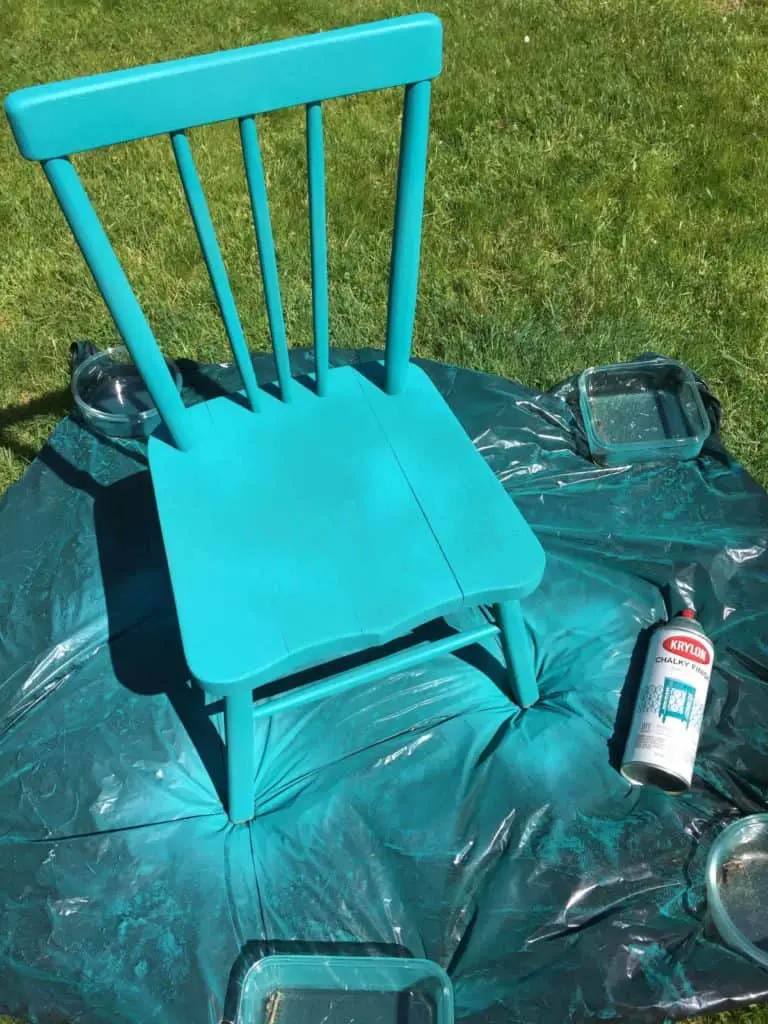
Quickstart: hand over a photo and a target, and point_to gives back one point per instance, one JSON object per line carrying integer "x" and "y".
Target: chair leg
{"x": 238, "y": 724}
{"x": 518, "y": 654}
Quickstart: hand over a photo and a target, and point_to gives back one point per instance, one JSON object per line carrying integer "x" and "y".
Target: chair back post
{"x": 217, "y": 272}
{"x": 122, "y": 303}
{"x": 318, "y": 242}
{"x": 406, "y": 241}
{"x": 265, "y": 243}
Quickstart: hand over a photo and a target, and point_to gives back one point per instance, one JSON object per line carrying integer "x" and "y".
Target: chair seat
{"x": 319, "y": 527}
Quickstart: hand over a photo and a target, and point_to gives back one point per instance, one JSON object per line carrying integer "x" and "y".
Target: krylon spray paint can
{"x": 662, "y": 743}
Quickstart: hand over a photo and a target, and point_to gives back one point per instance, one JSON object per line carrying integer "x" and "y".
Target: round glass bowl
{"x": 737, "y": 886}
{"x": 112, "y": 397}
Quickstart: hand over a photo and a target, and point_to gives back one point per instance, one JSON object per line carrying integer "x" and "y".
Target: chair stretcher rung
{"x": 398, "y": 662}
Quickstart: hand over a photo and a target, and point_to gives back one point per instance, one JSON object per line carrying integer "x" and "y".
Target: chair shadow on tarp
{"x": 52, "y": 403}
{"x": 144, "y": 639}
{"x": 257, "y": 949}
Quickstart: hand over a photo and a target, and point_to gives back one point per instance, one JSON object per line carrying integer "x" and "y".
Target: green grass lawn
{"x": 598, "y": 187}
{"x": 598, "y": 190}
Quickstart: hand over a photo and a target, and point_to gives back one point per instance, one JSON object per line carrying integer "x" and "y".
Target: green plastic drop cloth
{"x": 424, "y": 811}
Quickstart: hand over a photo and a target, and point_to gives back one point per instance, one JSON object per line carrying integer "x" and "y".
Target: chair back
{"x": 53, "y": 122}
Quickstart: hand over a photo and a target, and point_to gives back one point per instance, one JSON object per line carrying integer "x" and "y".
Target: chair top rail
{"x": 62, "y": 118}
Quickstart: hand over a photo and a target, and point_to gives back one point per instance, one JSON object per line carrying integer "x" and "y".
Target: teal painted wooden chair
{"x": 305, "y": 523}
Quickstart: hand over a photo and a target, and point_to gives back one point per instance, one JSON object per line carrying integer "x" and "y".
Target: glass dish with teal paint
{"x": 646, "y": 411}
{"x": 112, "y": 397}
{"x": 737, "y": 886}
{"x": 282, "y": 989}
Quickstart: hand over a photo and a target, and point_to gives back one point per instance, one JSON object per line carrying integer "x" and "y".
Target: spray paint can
{"x": 662, "y": 743}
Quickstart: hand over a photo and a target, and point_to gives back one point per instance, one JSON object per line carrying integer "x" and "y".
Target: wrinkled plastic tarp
{"x": 424, "y": 810}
